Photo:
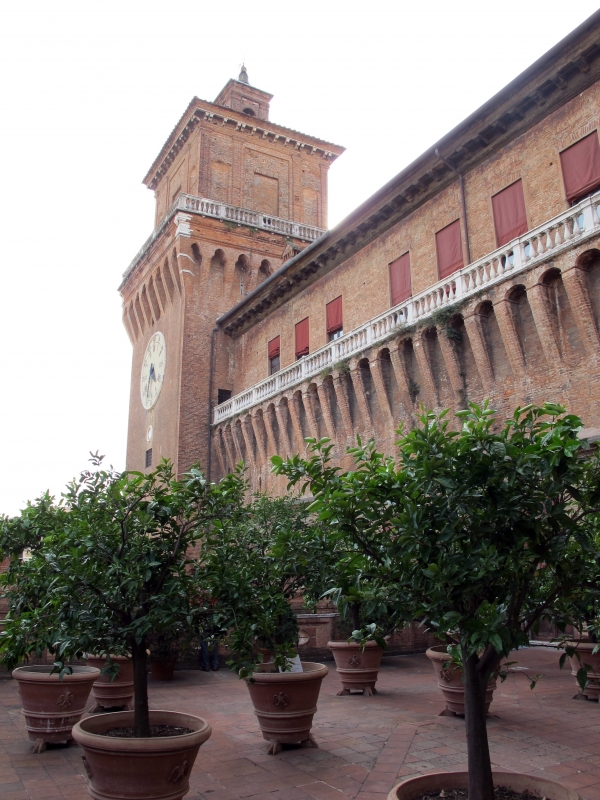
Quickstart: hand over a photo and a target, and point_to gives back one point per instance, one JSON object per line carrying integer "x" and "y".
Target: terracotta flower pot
{"x": 139, "y": 769}
{"x": 112, "y": 694}
{"x": 450, "y": 681}
{"x": 285, "y": 703}
{"x": 436, "y": 781}
{"x": 358, "y": 670}
{"x": 163, "y": 670}
{"x": 585, "y": 648}
{"x": 52, "y": 706}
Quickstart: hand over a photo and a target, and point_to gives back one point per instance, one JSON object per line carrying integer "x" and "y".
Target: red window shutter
{"x": 333, "y": 311}
{"x": 448, "y": 244}
{"x": 273, "y": 346}
{"x": 400, "y": 284}
{"x": 581, "y": 166}
{"x": 510, "y": 219}
{"x": 302, "y": 338}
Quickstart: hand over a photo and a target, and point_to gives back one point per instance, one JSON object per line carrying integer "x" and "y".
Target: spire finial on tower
{"x": 243, "y": 77}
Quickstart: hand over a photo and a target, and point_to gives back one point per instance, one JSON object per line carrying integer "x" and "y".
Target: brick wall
{"x": 363, "y": 279}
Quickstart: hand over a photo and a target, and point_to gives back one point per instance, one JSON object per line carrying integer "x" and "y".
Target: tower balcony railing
{"x": 578, "y": 223}
{"x": 244, "y": 216}
{"x": 189, "y": 203}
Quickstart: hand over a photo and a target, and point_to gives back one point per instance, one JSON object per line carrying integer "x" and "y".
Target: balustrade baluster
{"x": 568, "y": 229}
{"x": 542, "y": 244}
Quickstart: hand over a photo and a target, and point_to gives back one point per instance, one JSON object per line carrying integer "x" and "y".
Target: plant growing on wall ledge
{"x": 483, "y": 533}
{"x": 110, "y": 564}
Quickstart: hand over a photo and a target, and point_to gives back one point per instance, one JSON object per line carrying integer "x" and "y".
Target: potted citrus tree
{"x": 254, "y": 565}
{"x": 485, "y": 528}
{"x": 52, "y": 704}
{"x": 115, "y": 567}
{"x": 352, "y": 573}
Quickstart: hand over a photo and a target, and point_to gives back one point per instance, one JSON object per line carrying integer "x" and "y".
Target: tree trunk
{"x": 481, "y": 786}
{"x": 141, "y": 714}
{"x": 355, "y": 611}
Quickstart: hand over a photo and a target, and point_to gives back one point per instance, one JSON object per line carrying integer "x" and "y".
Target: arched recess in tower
{"x": 216, "y": 278}
{"x": 241, "y": 278}
{"x": 264, "y": 270}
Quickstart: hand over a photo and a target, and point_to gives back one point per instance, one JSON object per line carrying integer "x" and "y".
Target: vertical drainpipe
{"x": 462, "y": 199}
{"x": 210, "y": 394}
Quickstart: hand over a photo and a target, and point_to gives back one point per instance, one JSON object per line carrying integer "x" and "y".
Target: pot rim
{"x": 40, "y": 673}
{"x": 545, "y": 785}
{"x": 318, "y": 673}
{"x": 342, "y": 645}
{"x": 584, "y": 644}
{"x": 159, "y": 744}
{"x": 438, "y": 653}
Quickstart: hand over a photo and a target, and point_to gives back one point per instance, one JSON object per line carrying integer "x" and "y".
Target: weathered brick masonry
{"x": 239, "y": 257}
{"x": 235, "y": 194}
{"x": 532, "y": 335}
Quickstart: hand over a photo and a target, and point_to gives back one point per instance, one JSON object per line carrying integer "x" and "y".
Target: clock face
{"x": 153, "y": 370}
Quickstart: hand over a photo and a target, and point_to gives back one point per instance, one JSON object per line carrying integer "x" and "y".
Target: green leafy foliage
{"x": 254, "y": 564}
{"x": 478, "y": 531}
{"x": 350, "y": 504}
{"x": 109, "y": 564}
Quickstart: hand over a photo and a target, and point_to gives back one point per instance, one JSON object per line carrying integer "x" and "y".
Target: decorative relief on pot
{"x": 87, "y": 767}
{"x": 65, "y": 700}
{"x": 178, "y": 773}
{"x": 445, "y": 675}
{"x": 354, "y": 661}
{"x": 281, "y": 700}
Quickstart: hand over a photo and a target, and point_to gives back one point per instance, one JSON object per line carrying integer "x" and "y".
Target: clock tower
{"x": 236, "y": 195}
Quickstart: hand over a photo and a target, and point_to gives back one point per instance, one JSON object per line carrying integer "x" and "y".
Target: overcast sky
{"x": 89, "y": 93}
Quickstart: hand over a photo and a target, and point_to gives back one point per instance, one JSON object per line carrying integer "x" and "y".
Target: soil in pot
{"x": 52, "y": 706}
{"x": 500, "y": 793}
{"x": 112, "y": 694}
{"x": 358, "y": 669}
{"x": 450, "y": 681}
{"x": 163, "y": 670}
{"x": 585, "y": 649}
{"x": 129, "y": 768}
{"x": 285, "y": 704}
{"x": 433, "y": 784}
{"x": 155, "y": 730}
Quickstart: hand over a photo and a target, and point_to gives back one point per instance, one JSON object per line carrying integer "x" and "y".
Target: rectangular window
{"x": 510, "y": 219}
{"x": 302, "y": 338}
{"x": 148, "y": 458}
{"x": 448, "y": 243}
{"x": 274, "y": 347}
{"x": 400, "y": 283}
{"x": 335, "y": 322}
{"x": 581, "y": 167}
{"x": 223, "y": 395}
{"x": 274, "y": 365}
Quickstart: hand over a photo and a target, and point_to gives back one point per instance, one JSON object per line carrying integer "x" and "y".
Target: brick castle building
{"x": 473, "y": 273}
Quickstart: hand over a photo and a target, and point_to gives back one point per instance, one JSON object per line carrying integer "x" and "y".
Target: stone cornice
{"x": 203, "y": 111}
{"x": 568, "y": 69}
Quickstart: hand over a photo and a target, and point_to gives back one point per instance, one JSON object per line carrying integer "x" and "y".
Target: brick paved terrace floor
{"x": 366, "y": 744}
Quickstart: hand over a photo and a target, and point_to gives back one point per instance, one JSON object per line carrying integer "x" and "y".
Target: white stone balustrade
{"x": 579, "y": 223}
{"x": 243, "y": 216}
